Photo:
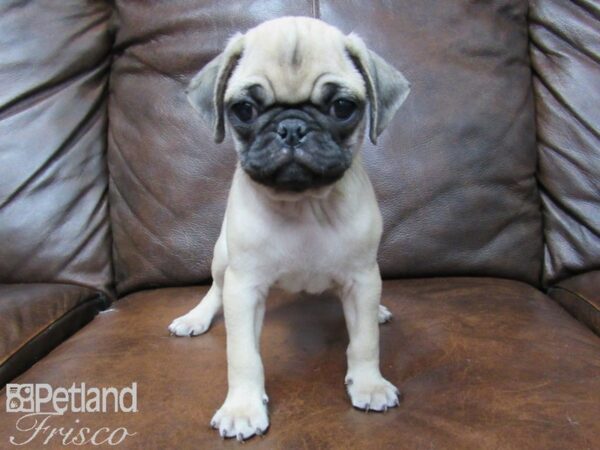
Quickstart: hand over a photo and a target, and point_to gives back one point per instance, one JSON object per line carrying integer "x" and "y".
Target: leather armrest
{"x": 580, "y": 295}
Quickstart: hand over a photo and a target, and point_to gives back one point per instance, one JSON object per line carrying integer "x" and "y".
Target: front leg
{"x": 366, "y": 387}
{"x": 244, "y": 412}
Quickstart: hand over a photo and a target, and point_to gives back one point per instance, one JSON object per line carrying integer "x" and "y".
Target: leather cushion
{"x": 169, "y": 180}
{"x": 36, "y": 318}
{"x": 53, "y": 180}
{"x": 483, "y": 363}
{"x": 565, "y": 55}
{"x": 454, "y": 173}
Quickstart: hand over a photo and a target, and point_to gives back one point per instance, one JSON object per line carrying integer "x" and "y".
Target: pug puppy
{"x": 296, "y": 95}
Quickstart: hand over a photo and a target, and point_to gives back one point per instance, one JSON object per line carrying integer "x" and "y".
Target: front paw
{"x": 242, "y": 417}
{"x": 372, "y": 392}
{"x": 190, "y": 324}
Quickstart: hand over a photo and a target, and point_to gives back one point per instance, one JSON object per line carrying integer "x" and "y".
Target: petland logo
{"x": 40, "y": 402}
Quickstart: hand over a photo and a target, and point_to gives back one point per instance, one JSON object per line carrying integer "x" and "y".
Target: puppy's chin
{"x": 291, "y": 196}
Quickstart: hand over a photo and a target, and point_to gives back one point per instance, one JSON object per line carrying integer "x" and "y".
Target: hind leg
{"x": 198, "y": 320}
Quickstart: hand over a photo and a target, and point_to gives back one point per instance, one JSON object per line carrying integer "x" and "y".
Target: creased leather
{"x": 54, "y": 62}
{"x": 565, "y": 54}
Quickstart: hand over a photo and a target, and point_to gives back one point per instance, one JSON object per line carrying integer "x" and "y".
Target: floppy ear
{"x": 386, "y": 87}
{"x": 206, "y": 91}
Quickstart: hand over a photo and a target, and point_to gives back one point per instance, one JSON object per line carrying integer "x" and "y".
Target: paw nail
{"x": 240, "y": 437}
{"x": 258, "y": 432}
{"x": 367, "y": 407}
{"x": 213, "y": 424}
{"x": 349, "y": 382}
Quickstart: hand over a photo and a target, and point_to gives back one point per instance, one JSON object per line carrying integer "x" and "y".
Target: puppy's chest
{"x": 313, "y": 247}
{"x": 311, "y": 262}
{"x": 311, "y": 282}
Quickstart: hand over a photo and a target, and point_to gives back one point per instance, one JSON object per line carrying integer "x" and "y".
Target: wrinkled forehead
{"x": 293, "y": 62}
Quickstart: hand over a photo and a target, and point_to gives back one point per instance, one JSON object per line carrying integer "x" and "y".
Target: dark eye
{"x": 343, "y": 109}
{"x": 245, "y": 111}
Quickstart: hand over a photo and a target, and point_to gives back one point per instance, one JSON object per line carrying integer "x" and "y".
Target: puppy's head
{"x": 293, "y": 92}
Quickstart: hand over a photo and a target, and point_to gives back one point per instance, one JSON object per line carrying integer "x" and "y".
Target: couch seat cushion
{"x": 483, "y": 363}
{"x": 35, "y": 318}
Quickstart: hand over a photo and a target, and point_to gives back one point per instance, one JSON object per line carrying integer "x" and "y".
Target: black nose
{"x": 292, "y": 131}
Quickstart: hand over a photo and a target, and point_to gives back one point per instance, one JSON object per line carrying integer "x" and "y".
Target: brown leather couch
{"x": 112, "y": 194}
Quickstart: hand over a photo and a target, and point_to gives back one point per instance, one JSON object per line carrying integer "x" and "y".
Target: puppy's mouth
{"x": 296, "y": 169}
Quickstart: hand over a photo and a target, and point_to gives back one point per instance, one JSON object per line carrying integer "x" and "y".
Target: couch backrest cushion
{"x": 565, "y": 53}
{"x": 54, "y": 63}
{"x": 454, "y": 173}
